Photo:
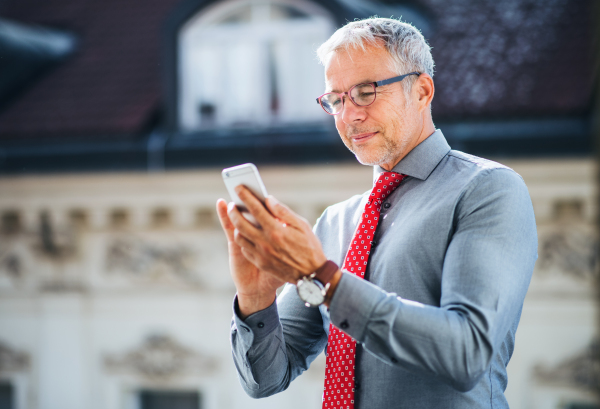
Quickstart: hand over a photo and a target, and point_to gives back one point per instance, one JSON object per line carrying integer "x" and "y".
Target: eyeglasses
{"x": 361, "y": 95}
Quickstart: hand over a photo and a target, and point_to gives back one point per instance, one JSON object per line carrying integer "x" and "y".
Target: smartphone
{"x": 247, "y": 175}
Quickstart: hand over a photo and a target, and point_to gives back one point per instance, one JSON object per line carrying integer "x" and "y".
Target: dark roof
{"x": 112, "y": 85}
{"x": 27, "y": 53}
{"x": 512, "y": 57}
{"x": 498, "y": 60}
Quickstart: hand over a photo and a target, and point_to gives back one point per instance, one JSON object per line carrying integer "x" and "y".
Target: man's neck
{"x": 427, "y": 130}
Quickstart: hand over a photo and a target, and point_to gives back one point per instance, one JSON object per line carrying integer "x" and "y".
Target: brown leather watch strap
{"x": 325, "y": 273}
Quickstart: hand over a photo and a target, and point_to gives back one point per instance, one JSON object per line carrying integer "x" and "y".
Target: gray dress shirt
{"x": 436, "y": 316}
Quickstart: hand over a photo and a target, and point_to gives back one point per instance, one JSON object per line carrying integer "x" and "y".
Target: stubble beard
{"x": 386, "y": 152}
{"x": 389, "y": 149}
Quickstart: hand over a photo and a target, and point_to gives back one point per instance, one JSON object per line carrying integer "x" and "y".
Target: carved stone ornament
{"x": 12, "y": 360}
{"x": 582, "y": 371}
{"x": 56, "y": 244}
{"x": 161, "y": 357}
{"x": 11, "y": 265}
{"x": 571, "y": 250}
{"x": 137, "y": 258}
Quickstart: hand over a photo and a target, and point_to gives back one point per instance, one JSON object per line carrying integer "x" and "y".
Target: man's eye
{"x": 336, "y": 102}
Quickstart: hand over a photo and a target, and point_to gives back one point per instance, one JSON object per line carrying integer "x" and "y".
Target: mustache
{"x": 358, "y": 131}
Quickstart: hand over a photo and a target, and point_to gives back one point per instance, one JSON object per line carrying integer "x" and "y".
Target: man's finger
{"x": 282, "y": 212}
{"x": 242, "y": 241}
{"x": 226, "y": 224}
{"x": 250, "y": 256}
{"x": 242, "y": 224}
{"x": 255, "y": 206}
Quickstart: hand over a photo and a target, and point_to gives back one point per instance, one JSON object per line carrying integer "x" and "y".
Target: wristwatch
{"x": 312, "y": 289}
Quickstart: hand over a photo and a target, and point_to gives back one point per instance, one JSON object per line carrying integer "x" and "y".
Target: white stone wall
{"x": 125, "y": 285}
{"x": 559, "y": 317}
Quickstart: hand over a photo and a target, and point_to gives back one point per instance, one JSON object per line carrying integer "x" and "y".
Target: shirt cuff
{"x": 353, "y": 303}
{"x": 256, "y": 326}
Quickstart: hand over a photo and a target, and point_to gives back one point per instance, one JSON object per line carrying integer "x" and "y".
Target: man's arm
{"x": 273, "y": 346}
{"x": 486, "y": 273}
{"x": 269, "y": 351}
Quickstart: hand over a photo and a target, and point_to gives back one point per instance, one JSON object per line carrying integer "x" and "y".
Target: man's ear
{"x": 425, "y": 90}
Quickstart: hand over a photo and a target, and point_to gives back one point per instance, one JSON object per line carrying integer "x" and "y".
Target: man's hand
{"x": 284, "y": 246}
{"x": 255, "y": 288}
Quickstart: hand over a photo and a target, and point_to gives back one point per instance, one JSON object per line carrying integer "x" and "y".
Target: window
{"x": 251, "y": 63}
{"x": 150, "y": 399}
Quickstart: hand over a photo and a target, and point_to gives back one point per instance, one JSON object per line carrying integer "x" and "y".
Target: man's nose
{"x": 352, "y": 113}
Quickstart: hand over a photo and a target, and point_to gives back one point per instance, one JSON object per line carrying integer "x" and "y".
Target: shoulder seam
{"x": 500, "y": 166}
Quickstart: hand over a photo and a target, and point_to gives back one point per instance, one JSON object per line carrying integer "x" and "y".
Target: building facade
{"x": 114, "y": 284}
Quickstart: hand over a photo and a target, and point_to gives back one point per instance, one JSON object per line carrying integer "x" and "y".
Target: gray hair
{"x": 406, "y": 45}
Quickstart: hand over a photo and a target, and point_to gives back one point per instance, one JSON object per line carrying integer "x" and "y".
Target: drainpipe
{"x": 155, "y": 148}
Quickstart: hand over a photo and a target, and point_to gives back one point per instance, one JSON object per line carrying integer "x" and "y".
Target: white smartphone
{"x": 247, "y": 175}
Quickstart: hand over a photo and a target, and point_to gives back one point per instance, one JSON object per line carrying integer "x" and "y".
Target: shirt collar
{"x": 422, "y": 160}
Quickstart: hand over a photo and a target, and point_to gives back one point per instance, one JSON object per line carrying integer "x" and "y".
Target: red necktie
{"x": 341, "y": 348}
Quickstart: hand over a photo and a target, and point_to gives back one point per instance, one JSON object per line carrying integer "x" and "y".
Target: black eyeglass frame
{"x": 375, "y": 84}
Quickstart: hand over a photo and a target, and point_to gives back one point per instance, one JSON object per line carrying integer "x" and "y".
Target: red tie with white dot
{"x": 341, "y": 348}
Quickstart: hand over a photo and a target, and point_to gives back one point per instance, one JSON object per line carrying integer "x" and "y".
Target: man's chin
{"x": 369, "y": 154}
{"x": 371, "y": 157}
{"x": 368, "y": 159}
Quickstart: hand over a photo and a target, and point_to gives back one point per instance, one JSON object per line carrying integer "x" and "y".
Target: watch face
{"x": 311, "y": 292}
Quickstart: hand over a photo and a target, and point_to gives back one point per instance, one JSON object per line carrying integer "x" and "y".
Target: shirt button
{"x": 344, "y": 324}
{"x": 387, "y": 205}
{"x": 260, "y": 325}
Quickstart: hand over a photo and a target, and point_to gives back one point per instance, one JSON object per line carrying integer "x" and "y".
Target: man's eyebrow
{"x": 367, "y": 81}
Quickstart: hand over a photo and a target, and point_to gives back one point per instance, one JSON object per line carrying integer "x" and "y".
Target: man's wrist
{"x": 325, "y": 273}
{"x": 313, "y": 289}
{"x": 332, "y": 287}
{"x": 248, "y": 305}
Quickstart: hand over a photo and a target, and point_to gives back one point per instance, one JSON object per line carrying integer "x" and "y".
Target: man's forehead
{"x": 347, "y": 67}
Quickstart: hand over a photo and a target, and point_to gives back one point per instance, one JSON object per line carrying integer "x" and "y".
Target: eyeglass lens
{"x": 361, "y": 94}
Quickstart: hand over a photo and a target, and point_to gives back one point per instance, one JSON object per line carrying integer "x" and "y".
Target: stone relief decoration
{"x": 160, "y": 357}
{"x": 44, "y": 256}
{"x": 12, "y": 360}
{"x": 52, "y": 243}
{"x": 11, "y": 265}
{"x": 571, "y": 250}
{"x": 581, "y": 371}
{"x": 57, "y": 257}
{"x": 134, "y": 257}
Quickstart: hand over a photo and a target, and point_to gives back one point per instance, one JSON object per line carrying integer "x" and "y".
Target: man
{"x": 435, "y": 260}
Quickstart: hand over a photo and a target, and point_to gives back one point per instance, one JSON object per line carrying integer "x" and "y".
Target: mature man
{"x": 435, "y": 260}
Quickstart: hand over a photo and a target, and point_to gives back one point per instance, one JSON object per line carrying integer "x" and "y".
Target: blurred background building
{"x": 116, "y": 117}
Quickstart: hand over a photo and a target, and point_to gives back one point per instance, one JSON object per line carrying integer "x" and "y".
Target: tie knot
{"x": 386, "y": 183}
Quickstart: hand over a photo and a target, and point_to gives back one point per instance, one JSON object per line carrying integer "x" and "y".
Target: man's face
{"x": 384, "y": 132}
